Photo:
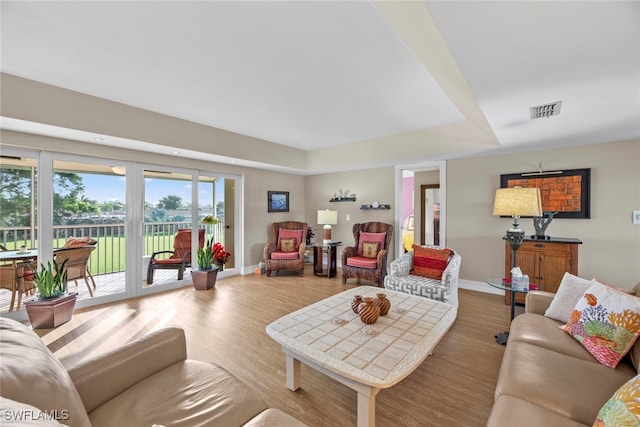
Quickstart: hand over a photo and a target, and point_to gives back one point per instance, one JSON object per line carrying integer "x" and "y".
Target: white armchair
{"x": 445, "y": 290}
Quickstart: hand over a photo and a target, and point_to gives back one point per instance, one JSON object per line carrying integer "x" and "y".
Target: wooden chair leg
{"x": 13, "y": 299}
{"x": 88, "y": 286}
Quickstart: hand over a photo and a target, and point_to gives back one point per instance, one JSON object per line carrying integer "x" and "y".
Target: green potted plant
{"x": 205, "y": 276}
{"x": 53, "y": 306}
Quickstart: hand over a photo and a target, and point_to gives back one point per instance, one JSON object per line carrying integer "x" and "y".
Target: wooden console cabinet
{"x": 544, "y": 261}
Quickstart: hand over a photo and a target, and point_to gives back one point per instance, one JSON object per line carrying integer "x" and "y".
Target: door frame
{"x": 441, "y": 166}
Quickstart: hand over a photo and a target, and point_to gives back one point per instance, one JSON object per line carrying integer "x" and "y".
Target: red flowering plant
{"x": 220, "y": 255}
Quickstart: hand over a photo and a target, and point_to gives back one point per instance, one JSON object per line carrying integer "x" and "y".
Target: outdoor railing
{"x": 109, "y": 256}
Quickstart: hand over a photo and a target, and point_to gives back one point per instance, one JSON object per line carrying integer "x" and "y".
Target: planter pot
{"x": 204, "y": 279}
{"x": 51, "y": 313}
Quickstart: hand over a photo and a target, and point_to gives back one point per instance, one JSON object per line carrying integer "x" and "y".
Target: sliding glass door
{"x": 128, "y": 212}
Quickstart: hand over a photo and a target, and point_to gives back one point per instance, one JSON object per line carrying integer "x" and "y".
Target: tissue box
{"x": 520, "y": 284}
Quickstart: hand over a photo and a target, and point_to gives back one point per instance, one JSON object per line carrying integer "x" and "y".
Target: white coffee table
{"x": 331, "y": 338}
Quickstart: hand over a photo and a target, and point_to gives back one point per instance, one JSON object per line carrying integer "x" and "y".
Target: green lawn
{"x": 109, "y": 256}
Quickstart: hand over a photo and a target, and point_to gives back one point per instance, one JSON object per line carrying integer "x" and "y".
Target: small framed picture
{"x": 636, "y": 217}
{"x": 277, "y": 201}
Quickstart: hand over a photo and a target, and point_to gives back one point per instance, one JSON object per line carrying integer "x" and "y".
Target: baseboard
{"x": 479, "y": 287}
{"x": 462, "y": 284}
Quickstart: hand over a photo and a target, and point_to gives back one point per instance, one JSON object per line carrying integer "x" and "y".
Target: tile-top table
{"x": 331, "y": 338}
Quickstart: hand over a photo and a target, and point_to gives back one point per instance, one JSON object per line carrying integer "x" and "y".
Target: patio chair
{"x": 179, "y": 258}
{"x": 77, "y": 264}
{"x": 17, "y": 277}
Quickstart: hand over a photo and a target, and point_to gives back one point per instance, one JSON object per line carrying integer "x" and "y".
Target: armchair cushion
{"x": 430, "y": 262}
{"x": 370, "y": 249}
{"x": 288, "y": 245}
{"x": 362, "y": 262}
{"x": 283, "y": 233}
{"x": 372, "y": 238}
{"x": 284, "y": 255}
{"x": 74, "y": 242}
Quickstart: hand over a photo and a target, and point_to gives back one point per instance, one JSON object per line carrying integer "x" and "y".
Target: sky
{"x": 104, "y": 188}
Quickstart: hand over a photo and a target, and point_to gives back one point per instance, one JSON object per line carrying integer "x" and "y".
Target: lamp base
{"x": 326, "y": 234}
{"x": 502, "y": 338}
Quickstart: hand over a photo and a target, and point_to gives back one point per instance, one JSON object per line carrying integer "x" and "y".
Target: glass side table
{"x": 506, "y": 285}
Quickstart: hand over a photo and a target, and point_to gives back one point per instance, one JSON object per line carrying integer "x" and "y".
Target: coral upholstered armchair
{"x": 367, "y": 259}
{"x": 286, "y": 246}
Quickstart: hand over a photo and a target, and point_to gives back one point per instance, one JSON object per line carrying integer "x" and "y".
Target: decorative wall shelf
{"x": 365, "y": 207}
{"x": 343, "y": 199}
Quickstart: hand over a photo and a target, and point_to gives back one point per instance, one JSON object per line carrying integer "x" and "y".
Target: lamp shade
{"x": 328, "y": 217}
{"x": 517, "y": 202}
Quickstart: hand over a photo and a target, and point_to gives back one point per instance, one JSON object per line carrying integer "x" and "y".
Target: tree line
{"x": 72, "y": 206}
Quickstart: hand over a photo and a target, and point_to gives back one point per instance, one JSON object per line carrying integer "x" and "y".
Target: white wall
{"x": 369, "y": 185}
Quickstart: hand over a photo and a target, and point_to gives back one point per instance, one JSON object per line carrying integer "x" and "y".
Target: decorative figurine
{"x": 540, "y": 223}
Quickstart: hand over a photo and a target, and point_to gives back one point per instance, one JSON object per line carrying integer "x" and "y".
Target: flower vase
{"x": 368, "y": 311}
{"x": 357, "y": 300}
{"x": 220, "y": 265}
{"x": 383, "y": 304}
{"x": 204, "y": 279}
{"x": 51, "y": 312}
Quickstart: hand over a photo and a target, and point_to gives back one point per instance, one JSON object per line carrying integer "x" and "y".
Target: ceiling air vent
{"x": 546, "y": 110}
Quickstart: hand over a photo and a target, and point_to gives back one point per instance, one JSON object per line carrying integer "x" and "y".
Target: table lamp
{"x": 327, "y": 218}
{"x": 516, "y": 202}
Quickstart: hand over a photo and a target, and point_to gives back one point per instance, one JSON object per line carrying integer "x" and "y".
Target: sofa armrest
{"x": 537, "y": 301}
{"x": 451, "y": 274}
{"x": 101, "y": 378}
{"x": 400, "y": 267}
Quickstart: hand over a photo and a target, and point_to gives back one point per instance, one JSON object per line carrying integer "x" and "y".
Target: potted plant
{"x": 53, "y": 306}
{"x": 205, "y": 276}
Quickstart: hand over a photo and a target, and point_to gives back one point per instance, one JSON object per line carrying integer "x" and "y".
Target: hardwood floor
{"x": 226, "y": 325}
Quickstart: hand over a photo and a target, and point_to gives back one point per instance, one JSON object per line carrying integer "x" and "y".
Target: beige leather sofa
{"x": 547, "y": 378}
{"x": 144, "y": 383}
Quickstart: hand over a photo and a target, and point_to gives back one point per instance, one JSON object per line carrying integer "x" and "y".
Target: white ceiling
{"x": 313, "y": 75}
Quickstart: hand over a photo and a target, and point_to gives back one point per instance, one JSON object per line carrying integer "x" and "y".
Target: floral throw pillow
{"x": 623, "y": 409}
{"x": 370, "y": 249}
{"x": 607, "y": 323}
{"x": 288, "y": 245}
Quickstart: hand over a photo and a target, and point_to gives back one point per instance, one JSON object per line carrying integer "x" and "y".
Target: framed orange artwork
{"x": 565, "y": 192}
